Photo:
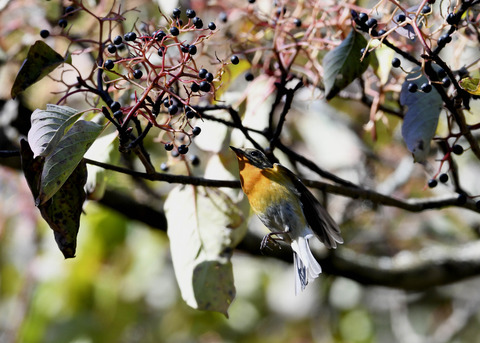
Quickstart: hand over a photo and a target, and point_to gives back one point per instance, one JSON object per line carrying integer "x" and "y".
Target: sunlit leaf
{"x": 201, "y": 227}
{"x": 49, "y": 126}
{"x": 41, "y": 60}
{"x": 471, "y": 85}
{"x": 342, "y": 65}
{"x": 230, "y": 73}
{"x": 421, "y": 119}
{"x": 65, "y": 157}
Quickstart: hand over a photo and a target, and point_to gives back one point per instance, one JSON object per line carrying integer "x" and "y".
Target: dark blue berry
{"x": 363, "y": 17}
{"x": 195, "y": 160}
{"x": 161, "y": 51}
{"x": 297, "y": 22}
{"x": 111, "y": 48}
{"x": 197, "y": 22}
{"x": 223, "y": 17}
{"x": 195, "y": 87}
{"x": 190, "y": 13}
{"x": 205, "y": 86}
{"x": 164, "y": 166}
{"x": 109, "y": 64}
{"x": 457, "y": 149}
{"x": 44, "y": 33}
{"x": 173, "y": 109}
{"x": 159, "y": 35}
{"x": 371, "y": 23}
{"x": 176, "y": 12}
{"x": 426, "y": 9}
{"x": 202, "y": 73}
{"x": 212, "y": 26}
{"x": 426, "y": 87}
{"x": 432, "y": 183}
{"x": 196, "y": 131}
{"x": 190, "y": 114}
{"x": 400, "y": 18}
{"x": 443, "y": 178}
{"x": 192, "y": 50}
{"x": 412, "y": 87}
{"x": 169, "y": 146}
{"x": 446, "y": 82}
{"x": 115, "y": 106}
{"x": 234, "y": 59}
{"x": 184, "y": 47}
{"x": 396, "y": 62}
{"x": 249, "y": 76}
{"x": 137, "y": 74}
{"x": 174, "y": 31}
{"x": 209, "y": 77}
{"x": 63, "y": 23}
{"x": 182, "y": 149}
{"x": 130, "y": 36}
{"x": 452, "y": 18}
{"x": 118, "y": 40}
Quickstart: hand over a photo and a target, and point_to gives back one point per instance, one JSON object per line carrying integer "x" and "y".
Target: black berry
{"x": 62, "y": 23}
{"x": 441, "y": 73}
{"x": 363, "y": 17}
{"x": 196, "y": 131}
{"x": 109, "y": 64}
{"x": 297, "y": 22}
{"x": 111, "y": 48}
{"x": 161, "y": 51}
{"x": 192, "y": 50}
{"x": 167, "y": 102}
{"x": 209, "y": 77}
{"x": 234, "y": 59}
{"x": 212, "y": 26}
{"x": 223, "y": 17}
{"x": 184, "y": 47}
{"x": 202, "y": 73}
{"x": 182, "y": 149}
{"x": 169, "y": 146}
{"x": 190, "y": 13}
{"x": 371, "y": 23}
{"x": 118, "y": 114}
{"x": 205, "y": 86}
{"x": 176, "y": 12}
{"x": 426, "y": 9}
{"x": 197, "y": 22}
{"x": 137, "y": 74}
{"x": 69, "y": 9}
{"x": 130, "y": 36}
{"x": 432, "y": 183}
{"x": 249, "y": 76}
{"x": 173, "y": 109}
{"x": 251, "y": 1}
{"x": 195, "y": 87}
{"x": 400, "y": 18}
{"x": 396, "y": 62}
{"x": 44, "y": 33}
{"x": 444, "y": 39}
{"x": 412, "y": 87}
{"x": 446, "y": 82}
{"x": 159, "y": 35}
{"x": 164, "y": 166}
{"x": 118, "y": 40}
{"x": 452, "y": 19}
{"x": 426, "y": 87}
{"x": 115, "y": 106}
{"x": 457, "y": 149}
{"x": 362, "y": 51}
{"x": 381, "y": 32}
{"x": 174, "y": 31}
{"x": 190, "y": 114}
{"x": 443, "y": 178}
{"x": 194, "y": 160}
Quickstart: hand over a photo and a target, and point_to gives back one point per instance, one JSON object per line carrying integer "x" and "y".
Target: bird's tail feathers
{"x": 306, "y": 266}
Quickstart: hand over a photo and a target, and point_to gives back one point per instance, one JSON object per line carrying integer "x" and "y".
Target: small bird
{"x": 288, "y": 209}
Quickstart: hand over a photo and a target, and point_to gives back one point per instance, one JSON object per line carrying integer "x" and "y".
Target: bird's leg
{"x": 268, "y": 238}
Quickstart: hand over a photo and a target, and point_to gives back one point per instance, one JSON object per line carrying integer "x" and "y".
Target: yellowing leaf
{"x": 471, "y": 85}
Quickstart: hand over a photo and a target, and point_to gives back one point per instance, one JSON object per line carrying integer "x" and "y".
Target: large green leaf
{"x": 41, "y": 60}
{"x": 49, "y": 126}
{"x": 421, "y": 119}
{"x": 203, "y": 227}
{"x": 342, "y": 65}
{"x": 65, "y": 157}
{"x": 62, "y": 212}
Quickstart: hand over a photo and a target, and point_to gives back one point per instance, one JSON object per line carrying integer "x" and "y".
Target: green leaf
{"x": 49, "y": 126}
{"x": 471, "y": 85}
{"x": 65, "y": 157}
{"x": 421, "y": 119}
{"x": 342, "y": 65}
{"x": 41, "y": 60}
{"x": 203, "y": 227}
{"x": 62, "y": 212}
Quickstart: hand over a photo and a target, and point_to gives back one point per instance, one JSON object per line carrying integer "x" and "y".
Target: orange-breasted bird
{"x": 288, "y": 209}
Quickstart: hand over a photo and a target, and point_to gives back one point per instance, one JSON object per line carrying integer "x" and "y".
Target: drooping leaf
{"x": 203, "y": 225}
{"x": 342, "y": 65}
{"x": 62, "y": 212}
{"x": 65, "y": 157}
{"x": 49, "y": 126}
{"x": 471, "y": 85}
{"x": 41, "y": 60}
{"x": 421, "y": 119}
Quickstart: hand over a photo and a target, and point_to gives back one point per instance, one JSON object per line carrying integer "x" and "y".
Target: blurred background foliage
{"x": 121, "y": 286}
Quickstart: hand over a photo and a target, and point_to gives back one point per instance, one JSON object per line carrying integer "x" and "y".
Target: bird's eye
{"x": 254, "y": 153}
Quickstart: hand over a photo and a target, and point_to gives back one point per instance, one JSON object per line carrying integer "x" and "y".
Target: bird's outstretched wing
{"x": 317, "y": 217}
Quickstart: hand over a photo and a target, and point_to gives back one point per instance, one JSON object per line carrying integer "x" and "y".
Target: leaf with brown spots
{"x": 62, "y": 211}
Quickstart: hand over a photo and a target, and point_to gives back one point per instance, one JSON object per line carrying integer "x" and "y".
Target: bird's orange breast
{"x": 265, "y": 187}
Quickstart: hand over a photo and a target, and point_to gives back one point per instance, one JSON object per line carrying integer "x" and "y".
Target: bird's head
{"x": 252, "y": 156}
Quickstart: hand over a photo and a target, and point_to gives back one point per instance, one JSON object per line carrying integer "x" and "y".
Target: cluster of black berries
{"x": 62, "y": 22}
